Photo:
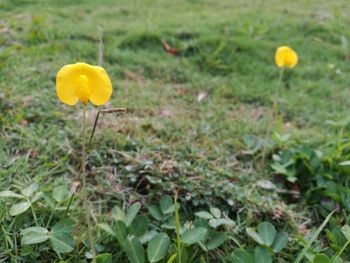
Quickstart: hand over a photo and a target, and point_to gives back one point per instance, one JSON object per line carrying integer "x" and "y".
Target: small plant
{"x": 25, "y": 203}
{"x": 166, "y": 238}
{"x": 27, "y": 197}
{"x": 132, "y": 232}
{"x": 270, "y": 241}
{"x": 86, "y": 83}
{"x": 285, "y": 57}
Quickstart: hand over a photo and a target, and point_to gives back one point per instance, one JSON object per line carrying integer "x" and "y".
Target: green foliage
{"x": 158, "y": 247}
{"x": 59, "y": 236}
{"x": 270, "y": 242}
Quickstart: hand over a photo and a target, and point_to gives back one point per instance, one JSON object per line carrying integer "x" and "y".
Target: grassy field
{"x": 195, "y": 122}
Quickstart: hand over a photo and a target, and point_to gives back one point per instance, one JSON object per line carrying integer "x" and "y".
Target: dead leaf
{"x": 170, "y": 50}
{"x": 132, "y": 75}
{"x": 202, "y": 95}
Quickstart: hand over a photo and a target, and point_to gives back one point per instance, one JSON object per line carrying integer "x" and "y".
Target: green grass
{"x": 168, "y": 139}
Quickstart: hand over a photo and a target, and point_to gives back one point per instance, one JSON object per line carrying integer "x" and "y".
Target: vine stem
{"x": 84, "y": 189}
{"x": 273, "y": 114}
{"x": 177, "y": 220}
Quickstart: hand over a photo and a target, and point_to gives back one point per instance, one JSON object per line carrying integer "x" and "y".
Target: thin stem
{"x": 341, "y": 251}
{"x": 69, "y": 204}
{"x": 277, "y": 91}
{"x": 51, "y": 215}
{"x": 84, "y": 189}
{"x": 273, "y": 114}
{"x": 33, "y": 213}
{"x": 100, "y": 62}
{"x": 177, "y": 221}
{"x": 95, "y": 125}
{"x": 5, "y": 237}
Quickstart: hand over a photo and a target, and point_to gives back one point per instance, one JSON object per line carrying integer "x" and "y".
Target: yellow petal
{"x": 85, "y": 82}
{"x": 67, "y": 84}
{"x": 99, "y": 83}
{"x": 286, "y": 57}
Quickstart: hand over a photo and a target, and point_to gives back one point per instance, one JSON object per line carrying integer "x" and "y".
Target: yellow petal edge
{"x": 84, "y": 82}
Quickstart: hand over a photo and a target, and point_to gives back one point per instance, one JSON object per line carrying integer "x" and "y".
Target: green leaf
{"x": 9, "y": 194}
{"x": 242, "y": 256}
{"x": 155, "y": 212}
{"x": 345, "y": 163}
{"x": 262, "y": 255}
{"x": 321, "y": 258}
{"x": 134, "y": 250}
{"x": 194, "y": 235}
{"x": 267, "y": 233}
{"x": 216, "y": 239}
{"x": 170, "y": 223}
{"x": 19, "y": 208}
{"x": 172, "y": 258}
{"x": 313, "y": 237}
{"x": 64, "y": 226}
{"x": 139, "y": 226}
{"x": 60, "y": 194}
{"x": 279, "y": 169}
{"x": 34, "y": 229}
{"x": 158, "y": 247}
{"x": 204, "y": 215}
{"x": 61, "y": 239}
{"x": 132, "y": 212}
{"x": 215, "y": 212}
{"x": 34, "y": 235}
{"x": 118, "y": 214}
{"x": 121, "y": 232}
{"x": 167, "y": 205}
{"x": 346, "y": 231}
{"x": 36, "y": 197}
{"x": 104, "y": 258}
{"x": 147, "y": 236}
{"x": 107, "y": 228}
{"x": 222, "y": 221}
{"x": 62, "y": 242}
{"x": 28, "y": 191}
{"x": 280, "y": 242}
{"x": 252, "y": 233}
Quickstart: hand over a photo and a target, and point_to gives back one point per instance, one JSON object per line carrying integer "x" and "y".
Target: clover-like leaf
{"x": 158, "y": 247}
{"x": 194, "y": 235}
{"x": 19, "y": 208}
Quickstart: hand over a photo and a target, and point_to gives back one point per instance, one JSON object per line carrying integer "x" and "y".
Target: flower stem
{"x": 33, "y": 213}
{"x": 84, "y": 189}
{"x": 277, "y": 91}
{"x": 100, "y": 62}
{"x": 177, "y": 222}
{"x": 69, "y": 204}
{"x": 273, "y": 115}
{"x": 95, "y": 125}
{"x": 51, "y": 215}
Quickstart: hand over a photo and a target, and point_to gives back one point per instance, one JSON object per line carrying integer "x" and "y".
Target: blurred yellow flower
{"x": 83, "y": 82}
{"x": 286, "y": 57}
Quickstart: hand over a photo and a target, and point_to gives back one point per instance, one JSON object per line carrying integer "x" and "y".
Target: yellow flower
{"x": 83, "y": 82}
{"x": 286, "y": 57}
